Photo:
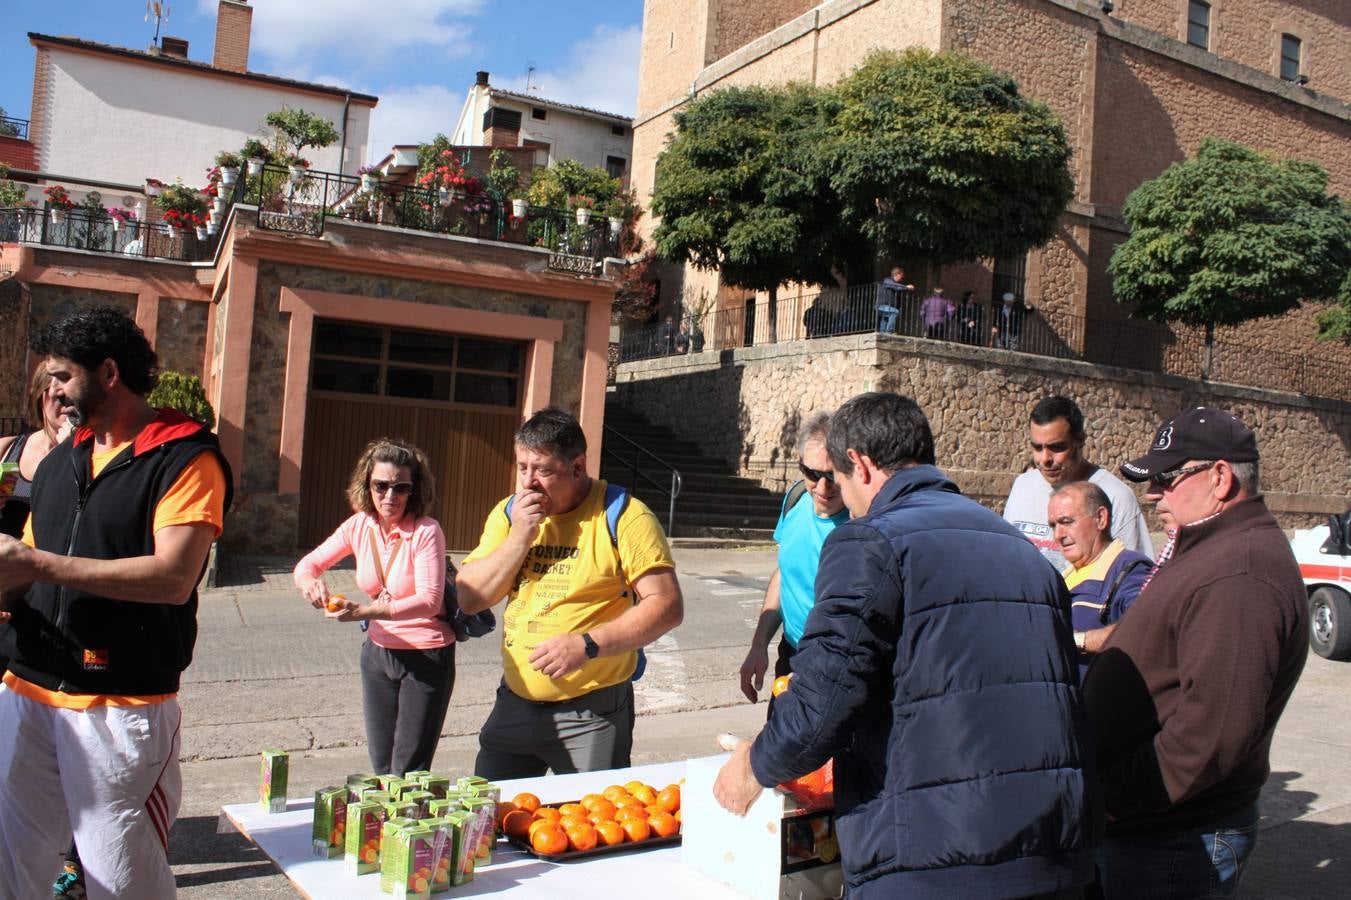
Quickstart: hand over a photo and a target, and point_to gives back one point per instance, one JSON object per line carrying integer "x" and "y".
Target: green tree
{"x": 176, "y": 390}
{"x": 1232, "y": 235}
{"x": 7, "y": 129}
{"x": 740, "y": 189}
{"x": 552, "y": 186}
{"x": 936, "y": 155}
{"x": 301, "y": 129}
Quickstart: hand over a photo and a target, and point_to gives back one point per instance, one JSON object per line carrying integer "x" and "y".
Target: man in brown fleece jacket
{"x": 1185, "y": 696}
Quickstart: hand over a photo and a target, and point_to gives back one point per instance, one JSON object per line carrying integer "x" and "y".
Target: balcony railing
{"x": 302, "y": 201}
{"x": 83, "y": 229}
{"x": 15, "y": 128}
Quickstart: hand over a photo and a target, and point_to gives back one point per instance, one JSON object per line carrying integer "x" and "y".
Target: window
{"x": 351, "y": 358}
{"x": 1198, "y": 24}
{"x": 618, "y": 130}
{"x": 1290, "y": 67}
{"x": 541, "y": 149}
{"x": 616, "y": 166}
{"x": 506, "y": 119}
{"x": 1010, "y": 276}
{"x": 539, "y": 113}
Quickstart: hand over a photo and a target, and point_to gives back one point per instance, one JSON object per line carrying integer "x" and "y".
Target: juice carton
{"x": 416, "y": 775}
{"x": 402, "y": 809}
{"x": 438, "y": 785}
{"x": 362, "y": 853}
{"x": 489, "y": 790}
{"x": 330, "y": 821}
{"x": 486, "y": 809}
{"x": 375, "y": 795}
{"x": 392, "y": 783}
{"x": 439, "y": 806}
{"x": 9, "y": 477}
{"x": 443, "y": 852}
{"x": 415, "y": 858}
{"x": 464, "y": 833}
{"x": 422, "y": 799}
{"x": 467, "y": 782}
{"x": 272, "y": 784}
{"x": 356, "y": 783}
{"x": 388, "y": 829}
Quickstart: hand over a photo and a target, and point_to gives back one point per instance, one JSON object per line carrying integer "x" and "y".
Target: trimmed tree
{"x": 740, "y": 188}
{"x": 1232, "y": 235}
{"x": 302, "y": 129}
{"x": 938, "y": 156}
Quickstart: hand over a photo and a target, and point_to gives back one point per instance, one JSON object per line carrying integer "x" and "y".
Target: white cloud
{"x": 412, "y": 115}
{"x": 290, "y": 34}
{"x": 601, "y": 72}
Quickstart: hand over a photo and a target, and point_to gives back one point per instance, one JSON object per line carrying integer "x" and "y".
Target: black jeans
{"x": 404, "y": 695}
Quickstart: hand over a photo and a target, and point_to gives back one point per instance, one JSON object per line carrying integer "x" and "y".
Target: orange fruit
{"x": 603, "y": 808}
{"x": 548, "y": 813}
{"x": 573, "y": 809}
{"x": 663, "y": 824}
{"x": 636, "y": 829}
{"x": 676, "y": 815}
{"x": 502, "y": 809}
{"x": 517, "y": 823}
{"x": 538, "y": 824}
{"x": 780, "y": 684}
{"x": 526, "y": 801}
{"x": 567, "y": 823}
{"x": 645, "y": 795}
{"x": 549, "y": 840}
{"x": 669, "y": 798}
{"x": 610, "y": 833}
{"x": 654, "y": 810}
{"x": 590, "y": 800}
{"x": 625, "y": 813}
{"x": 583, "y": 837}
{"x": 613, "y": 793}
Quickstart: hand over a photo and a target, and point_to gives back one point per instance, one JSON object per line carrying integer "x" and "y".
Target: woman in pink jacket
{"x": 408, "y": 659}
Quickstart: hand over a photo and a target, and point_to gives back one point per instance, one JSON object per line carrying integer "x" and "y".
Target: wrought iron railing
{"x": 634, "y": 457}
{"x": 15, "y": 128}
{"x": 301, "y": 201}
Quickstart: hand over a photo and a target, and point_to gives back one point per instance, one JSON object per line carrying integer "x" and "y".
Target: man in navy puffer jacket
{"x": 938, "y": 669}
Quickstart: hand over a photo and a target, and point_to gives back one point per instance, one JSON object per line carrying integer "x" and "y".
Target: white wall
{"x": 569, "y": 135}
{"x": 111, "y": 119}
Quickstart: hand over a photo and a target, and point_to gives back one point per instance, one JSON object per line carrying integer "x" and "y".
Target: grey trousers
{"x": 404, "y": 695}
{"x": 525, "y": 738}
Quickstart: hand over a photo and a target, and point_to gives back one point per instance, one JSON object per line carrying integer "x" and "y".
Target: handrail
{"x": 676, "y": 481}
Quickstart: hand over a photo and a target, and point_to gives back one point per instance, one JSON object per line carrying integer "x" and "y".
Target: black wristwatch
{"x": 592, "y": 648}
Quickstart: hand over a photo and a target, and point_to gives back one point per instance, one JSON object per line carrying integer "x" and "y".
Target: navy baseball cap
{"x": 1202, "y": 433}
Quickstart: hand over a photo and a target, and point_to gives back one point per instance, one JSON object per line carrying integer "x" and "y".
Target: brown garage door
{"x": 456, "y": 397}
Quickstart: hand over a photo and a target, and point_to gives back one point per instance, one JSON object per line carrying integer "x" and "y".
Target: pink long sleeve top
{"x": 413, "y": 557}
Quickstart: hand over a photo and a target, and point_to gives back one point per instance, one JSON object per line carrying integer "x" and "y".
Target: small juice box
{"x": 443, "y": 852}
{"x": 422, "y": 799}
{"x": 438, "y": 785}
{"x": 272, "y": 783}
{"x": 361, "y": 855}
{"x": 330, "y": 821}
{"x": 391, "y": 783}
{"x": 402, "y": 809}
{"x": 489, "y": 790}
{"x": 377, "y": 796}
{"x": 486, "y": 809}
{"x": 388, "y": 829}
{"x": 416, "y": 775}
{"x": 464, "y": 827}
{"x": 412, "y": 862}
{"x": 356, "y": 783}
{"x": 439, "y": 806}
{"x": 9, "y": 477}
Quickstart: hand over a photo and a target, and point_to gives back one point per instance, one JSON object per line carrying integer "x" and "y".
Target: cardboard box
{"x": 358, "y": 783}
{"x": 437, "y": 785}
{"x": 272, "y": 780}
{"x": 465, "y": 839}
{"x": 422, "y": 799}
{"x": 779, "y": 851}
{"x": 361, "y": 855}
{"x": 415, "y": 859}
{"x": 486, "y": 809}
{"x": 330, "y": 822}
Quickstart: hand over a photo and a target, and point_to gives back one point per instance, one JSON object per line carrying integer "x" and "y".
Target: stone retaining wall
{"x": 745, "y": 406}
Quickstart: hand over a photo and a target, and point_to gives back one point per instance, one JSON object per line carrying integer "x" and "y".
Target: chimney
{"x": 175, "y": 48}
{"x": 234, "y": 20}
{"x": 481, "y": 78}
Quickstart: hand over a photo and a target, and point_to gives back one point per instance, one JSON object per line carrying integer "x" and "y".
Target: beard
{"x": 85, "y": 404}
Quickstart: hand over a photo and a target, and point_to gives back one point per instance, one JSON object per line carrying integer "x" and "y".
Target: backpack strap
{"x": 616, "y": 501}
{"x": 791, "y": 498}
{"x": 1105, "y": 613}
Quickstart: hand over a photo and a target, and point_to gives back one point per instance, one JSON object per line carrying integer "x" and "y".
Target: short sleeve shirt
{"x": 800, "y": 535}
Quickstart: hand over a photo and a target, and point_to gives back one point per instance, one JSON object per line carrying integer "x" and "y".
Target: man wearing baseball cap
{"x": 1186, "y": 694}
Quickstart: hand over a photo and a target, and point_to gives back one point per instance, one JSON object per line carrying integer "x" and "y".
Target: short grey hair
{"x": 817, "y": 428}
{"x": 1247, "y": 474}
{"x": 1091, "y": 497}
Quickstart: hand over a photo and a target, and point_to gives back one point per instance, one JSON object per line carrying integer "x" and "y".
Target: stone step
{"x": 760, "y": 536}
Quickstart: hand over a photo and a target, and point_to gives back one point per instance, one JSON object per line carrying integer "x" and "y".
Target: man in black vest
{"x": 100, "y": 618}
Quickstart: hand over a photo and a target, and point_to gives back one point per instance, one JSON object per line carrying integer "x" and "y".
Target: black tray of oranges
{"x": 633, "y": 816}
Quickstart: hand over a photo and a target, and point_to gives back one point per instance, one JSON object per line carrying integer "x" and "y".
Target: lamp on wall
{"x": 1302, "y": 79}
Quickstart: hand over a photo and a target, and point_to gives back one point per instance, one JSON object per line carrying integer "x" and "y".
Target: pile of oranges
{"x": 629, "y": 813}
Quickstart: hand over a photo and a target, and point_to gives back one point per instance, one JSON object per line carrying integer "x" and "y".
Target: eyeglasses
{"x": 814, "y": 475}
{"x": 1168, "y": 480}
{"x": 400, "y": 488}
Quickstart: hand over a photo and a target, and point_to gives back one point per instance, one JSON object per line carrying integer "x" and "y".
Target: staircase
{"x": 713, "y": 503}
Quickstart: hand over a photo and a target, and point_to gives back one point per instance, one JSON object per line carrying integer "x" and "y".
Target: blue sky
{"x": 418, "y": 56}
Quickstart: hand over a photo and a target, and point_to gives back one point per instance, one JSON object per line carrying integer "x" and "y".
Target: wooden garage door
{"x": 465, "y": 409}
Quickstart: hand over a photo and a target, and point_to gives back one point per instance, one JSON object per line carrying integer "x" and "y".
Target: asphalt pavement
{"x": 272, "y": 672}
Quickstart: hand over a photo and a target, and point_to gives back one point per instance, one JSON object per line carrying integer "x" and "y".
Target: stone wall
{"x": 14, "y": 348}
{"x": 745, "y": 406}
{"x": 180, "y": 336}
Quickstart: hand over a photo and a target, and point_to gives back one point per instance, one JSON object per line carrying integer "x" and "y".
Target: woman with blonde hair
{"x": 408, "y": 658}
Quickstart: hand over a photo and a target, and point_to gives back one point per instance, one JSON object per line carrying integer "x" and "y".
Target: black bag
{"x": 464, "y": 625}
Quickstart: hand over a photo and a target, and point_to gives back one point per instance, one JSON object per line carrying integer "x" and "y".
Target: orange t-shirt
{"x": 196, "y": 497}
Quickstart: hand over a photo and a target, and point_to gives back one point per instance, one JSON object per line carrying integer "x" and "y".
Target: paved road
{"x": 271, "y": 672}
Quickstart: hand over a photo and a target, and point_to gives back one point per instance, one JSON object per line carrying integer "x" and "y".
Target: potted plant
{"x": 255, "y": 153}
{"x": 183, "y": 207}
{"x": 370, "y": 179}
{"x": 121, "y": 216}
{"x": 59, "y": 201}
{"x": 201, "y": 232}
{"x": 154, "y": 187}
{"x": 297, "y": 167}
{"x": 229, "y": 166}
{"x": 582, "y": 205}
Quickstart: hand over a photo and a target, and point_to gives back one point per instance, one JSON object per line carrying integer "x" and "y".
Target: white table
{"x": 285, "y": 839}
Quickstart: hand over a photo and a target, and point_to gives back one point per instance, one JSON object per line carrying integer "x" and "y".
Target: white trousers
{"x": 110, "y": 775}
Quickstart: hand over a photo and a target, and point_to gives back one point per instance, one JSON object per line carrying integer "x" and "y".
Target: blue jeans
{"x": 1205, "y": 863}
{"x": 887, "y": 316}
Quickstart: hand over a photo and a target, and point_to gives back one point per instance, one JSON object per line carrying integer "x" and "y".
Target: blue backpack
{"x": 616, "y": 501}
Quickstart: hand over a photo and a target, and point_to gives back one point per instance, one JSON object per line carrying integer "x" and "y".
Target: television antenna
{"x": 160, "y": 12}
{"x": 530, "y": 86}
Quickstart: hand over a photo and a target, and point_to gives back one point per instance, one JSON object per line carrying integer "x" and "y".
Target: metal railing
{"x": 15, "y": 128}
{"x": 301, "y": 201}
{"x": 632, "y": 458}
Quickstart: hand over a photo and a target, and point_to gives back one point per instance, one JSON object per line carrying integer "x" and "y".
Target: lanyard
{"x": 380, "y": 568}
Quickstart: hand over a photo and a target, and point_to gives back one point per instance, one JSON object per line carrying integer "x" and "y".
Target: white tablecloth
{"x": 285, "y": 838}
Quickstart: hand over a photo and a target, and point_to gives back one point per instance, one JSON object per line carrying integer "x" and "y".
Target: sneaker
{"x": 70, "y": 883}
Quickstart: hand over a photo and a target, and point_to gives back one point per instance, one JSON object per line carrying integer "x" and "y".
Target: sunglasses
{"x": 1172, "y": 478}
{"x": 400, "y": 488}
{"x": 815, "y": 475}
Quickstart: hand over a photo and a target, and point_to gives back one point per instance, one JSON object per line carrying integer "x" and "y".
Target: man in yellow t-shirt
{"x": 580, "y": 605}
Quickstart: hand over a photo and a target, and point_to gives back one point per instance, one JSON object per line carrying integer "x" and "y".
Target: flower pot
{"x": 212, "y": 228}
{"x": 518, "y": 208}
{"x": 218, "y": 204}
{"x": 255, "y": 166}
{"x": 228, "y": 174}
{"x": 153, "y": 190}
{"x": 296, "y": 173}
{"x": 616, "y": 226}
{"x": 443, "y": 196}
{"x": 370, "y": 182}
{"x": 583, "y": 216}
{"x": 58, "y": 216}
{"x": 117, "y": 225}
{"x": 201, "y": 232}
{"x": 216, "y": 216}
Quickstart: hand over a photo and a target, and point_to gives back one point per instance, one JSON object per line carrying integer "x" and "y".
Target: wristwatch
{"x": 1081, "y": 640}
{"x": 592, "y": 648}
